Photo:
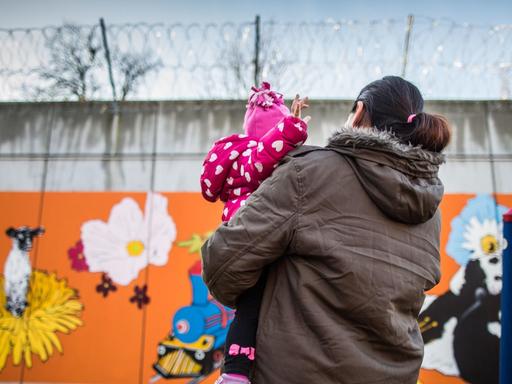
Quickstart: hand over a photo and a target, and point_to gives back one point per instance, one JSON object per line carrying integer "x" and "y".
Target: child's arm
{"x": 258, "y": 161}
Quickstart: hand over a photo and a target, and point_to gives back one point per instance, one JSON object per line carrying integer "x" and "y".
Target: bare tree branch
{"x": 73, "y": 59}
{"x": 131, "y": 68}
{"x": 75, "y": 64}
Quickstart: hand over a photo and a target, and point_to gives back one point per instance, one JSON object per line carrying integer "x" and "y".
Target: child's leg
{"x": 239, "y": 352}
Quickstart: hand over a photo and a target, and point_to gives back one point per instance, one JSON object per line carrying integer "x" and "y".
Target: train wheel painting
{"x": 194, "y": 347}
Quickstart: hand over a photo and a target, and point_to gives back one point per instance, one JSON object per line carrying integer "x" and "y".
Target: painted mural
{"x": 111, "y": 292}
{"x": 194, "y": 346}
{"x": 125, "y": 244}
{"x": 461, "y": 327}
{"x": 35, "y": 306}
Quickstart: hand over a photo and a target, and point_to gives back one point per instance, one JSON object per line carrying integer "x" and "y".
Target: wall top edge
{"x": 224, "y": 101}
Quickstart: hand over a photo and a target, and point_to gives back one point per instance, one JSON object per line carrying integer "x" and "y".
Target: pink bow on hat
{"x": 265, "y": 108}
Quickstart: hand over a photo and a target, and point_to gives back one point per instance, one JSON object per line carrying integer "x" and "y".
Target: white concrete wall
{"x": 161, "y": 145}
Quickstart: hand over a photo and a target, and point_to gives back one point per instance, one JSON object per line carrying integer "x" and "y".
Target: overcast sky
{"x": 462, "y": 67}
{"x": 36, "y": 13}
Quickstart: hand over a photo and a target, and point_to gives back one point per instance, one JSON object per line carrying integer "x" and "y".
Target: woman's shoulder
{"x": 313, "y": 163}
{"x": 303, "y": 150}
{"x": 311, "y": 155}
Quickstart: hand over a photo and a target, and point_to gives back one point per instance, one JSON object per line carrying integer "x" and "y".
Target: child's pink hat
{"x": 264, "y": 110}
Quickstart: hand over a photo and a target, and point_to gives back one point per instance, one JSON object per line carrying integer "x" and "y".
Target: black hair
{"x": 390, "y": 101}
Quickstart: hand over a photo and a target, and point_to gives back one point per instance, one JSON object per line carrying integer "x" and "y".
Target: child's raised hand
{"x": 297, "y": 105}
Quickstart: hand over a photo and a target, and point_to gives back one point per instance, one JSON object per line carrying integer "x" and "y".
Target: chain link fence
{"x": 329, "y": 59}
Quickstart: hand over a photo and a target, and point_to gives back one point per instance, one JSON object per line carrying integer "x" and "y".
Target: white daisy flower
{"x": 130, "y": 240}
{"x": 483, "y": 238}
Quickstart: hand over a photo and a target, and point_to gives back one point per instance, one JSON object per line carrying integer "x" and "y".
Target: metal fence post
{"x": 506, "y": 304}
{"x": 410, "y": 23}
{"x": 115, "y": 132}
{"x": 257, "y": 24}
{"x": 109, "y": 61}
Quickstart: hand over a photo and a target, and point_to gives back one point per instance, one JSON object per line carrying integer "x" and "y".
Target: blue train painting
{"x": 194, "y": 347}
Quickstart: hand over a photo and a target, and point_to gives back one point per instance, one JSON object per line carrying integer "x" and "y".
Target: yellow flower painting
{"x": 52, "y": 308}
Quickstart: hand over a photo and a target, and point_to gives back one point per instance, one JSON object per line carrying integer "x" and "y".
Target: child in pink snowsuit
{"x": 233, "y": 169}
{"x": 236, "y": 165}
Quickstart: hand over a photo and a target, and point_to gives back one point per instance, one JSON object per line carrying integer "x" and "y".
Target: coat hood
{"x": 400, "y": 179}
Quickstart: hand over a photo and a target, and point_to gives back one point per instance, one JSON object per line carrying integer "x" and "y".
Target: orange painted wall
{"x": 117, "y": 342}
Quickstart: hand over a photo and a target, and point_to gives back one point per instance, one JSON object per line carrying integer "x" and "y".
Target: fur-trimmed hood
{"x": 401, "y": 179}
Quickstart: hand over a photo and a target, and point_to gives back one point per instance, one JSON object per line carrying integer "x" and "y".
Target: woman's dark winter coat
{"x": 350, "y": 236}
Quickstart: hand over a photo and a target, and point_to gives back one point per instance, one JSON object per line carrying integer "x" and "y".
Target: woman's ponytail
{"x": 432, "y": 132}
{"x": 394, "y": 104}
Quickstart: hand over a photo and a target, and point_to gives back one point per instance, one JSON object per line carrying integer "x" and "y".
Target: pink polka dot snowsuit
{"x": 236, "y": 165}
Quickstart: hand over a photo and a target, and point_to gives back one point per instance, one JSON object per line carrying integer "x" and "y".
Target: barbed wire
{"x": 328, "y": 59}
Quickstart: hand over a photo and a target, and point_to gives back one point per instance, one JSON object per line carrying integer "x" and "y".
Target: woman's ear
{"x": 359, "y": 115}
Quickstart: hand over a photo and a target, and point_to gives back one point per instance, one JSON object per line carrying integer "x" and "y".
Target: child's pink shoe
{"x": 227, "y": 378}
